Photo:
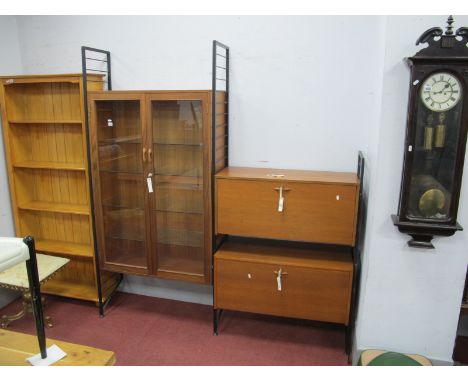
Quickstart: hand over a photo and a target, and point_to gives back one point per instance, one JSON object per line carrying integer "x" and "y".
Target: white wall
{"x": 10, "y": 63}
{"x": 292, "y": 97}
{"x": 307, "y": 93}
{"x": 410, "y": 298}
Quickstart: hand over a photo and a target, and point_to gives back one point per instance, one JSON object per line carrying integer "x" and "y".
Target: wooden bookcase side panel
{"x": 220, "y": 131}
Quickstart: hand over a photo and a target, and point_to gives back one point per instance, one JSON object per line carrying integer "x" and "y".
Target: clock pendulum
{"x": 428, "y": 133}
{"x": 440, "y": 132}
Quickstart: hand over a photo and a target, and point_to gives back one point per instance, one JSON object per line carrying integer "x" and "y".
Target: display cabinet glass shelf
{"x": 45, "y": 146}
{"x": 152, "y": 170}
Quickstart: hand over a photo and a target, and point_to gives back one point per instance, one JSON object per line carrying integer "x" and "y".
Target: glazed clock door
{"x": 179, "y": 156}
{"x": 437, "y": 130}
{"x": 119, "y": 171}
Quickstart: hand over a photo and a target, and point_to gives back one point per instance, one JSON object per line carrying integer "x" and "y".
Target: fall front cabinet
{"x": 152, "y": 166}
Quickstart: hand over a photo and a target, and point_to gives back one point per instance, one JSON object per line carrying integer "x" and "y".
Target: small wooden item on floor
{"x": 16, "y": 278}
{"x": 16, "y": 347}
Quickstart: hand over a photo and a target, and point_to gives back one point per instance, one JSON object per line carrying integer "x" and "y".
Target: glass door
{"x": 122, "y": 218}
{"x": 178, "y": 198}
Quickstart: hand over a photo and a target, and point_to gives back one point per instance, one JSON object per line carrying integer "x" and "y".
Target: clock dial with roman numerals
{"x": 440, "y": 92}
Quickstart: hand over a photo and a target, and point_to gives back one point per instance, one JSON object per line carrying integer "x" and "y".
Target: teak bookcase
{"x": 153, "y": 157}
{"x": 45, "y": 148}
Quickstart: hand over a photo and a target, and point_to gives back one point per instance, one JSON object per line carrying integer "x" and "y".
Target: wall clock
{"x": 436, "y": 134}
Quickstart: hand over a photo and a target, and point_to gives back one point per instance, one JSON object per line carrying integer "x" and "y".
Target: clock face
{"x": 440, "y": 92}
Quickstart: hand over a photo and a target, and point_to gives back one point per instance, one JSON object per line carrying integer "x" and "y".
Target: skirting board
{"x": 173, "y": 290}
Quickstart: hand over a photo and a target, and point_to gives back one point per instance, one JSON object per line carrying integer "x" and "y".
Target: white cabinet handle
{"x": 279, "y": 275}
{"x": 149, "y": 181}
{"x": 281, "y": 197}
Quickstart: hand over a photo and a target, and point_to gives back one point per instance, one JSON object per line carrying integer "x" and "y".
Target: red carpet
{"x": 151, "y": 331}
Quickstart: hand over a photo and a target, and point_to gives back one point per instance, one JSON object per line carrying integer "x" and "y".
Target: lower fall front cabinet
{"x": 152, "y": 164}
{"x": 312, "y": 284}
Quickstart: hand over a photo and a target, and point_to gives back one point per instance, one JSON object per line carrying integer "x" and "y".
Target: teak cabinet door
{"x": 118, "y": 140}
{"x": 304, "y": 292}
{"x": 311, "y": 212}
{"x": 178, "y": 135}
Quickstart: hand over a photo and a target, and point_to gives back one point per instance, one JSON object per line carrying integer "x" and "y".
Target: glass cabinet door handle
{"x": 150, "y": 154}
{"x": 144, "y": 154}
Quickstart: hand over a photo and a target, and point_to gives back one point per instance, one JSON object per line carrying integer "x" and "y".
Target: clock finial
{"x": 449, "y": 26}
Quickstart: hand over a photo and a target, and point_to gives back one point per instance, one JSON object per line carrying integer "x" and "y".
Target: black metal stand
{"x": 220, "y": 76}
{"x": 102, "y": 56}
{"x": 216, "y": 317}
{"x": 357, "y": 251}
{"x": 35, "y": 290}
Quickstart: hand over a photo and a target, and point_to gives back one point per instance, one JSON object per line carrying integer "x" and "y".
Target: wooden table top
{"x": 16, "y": 347}
{"x": 17, "y": 277}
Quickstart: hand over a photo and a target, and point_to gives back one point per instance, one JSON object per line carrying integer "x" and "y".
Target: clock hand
{"x": 445, "y": 87}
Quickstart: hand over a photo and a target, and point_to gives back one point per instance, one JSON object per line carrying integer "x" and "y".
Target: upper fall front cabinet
{"x": 158, "y": 155}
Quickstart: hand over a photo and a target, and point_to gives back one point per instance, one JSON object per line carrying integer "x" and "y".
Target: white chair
{"x": 14, "y": 251}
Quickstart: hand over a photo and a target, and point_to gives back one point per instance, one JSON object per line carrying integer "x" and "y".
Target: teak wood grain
{"x": 316, "y": 284}
{"x": 16, "y": 347}
{"x": 318, "y": 207}
{"x": 302, "y": 176}
{"x": 45, "y": 147}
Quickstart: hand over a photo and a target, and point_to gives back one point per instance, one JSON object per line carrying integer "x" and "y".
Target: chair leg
{"x": 36, "y": 301}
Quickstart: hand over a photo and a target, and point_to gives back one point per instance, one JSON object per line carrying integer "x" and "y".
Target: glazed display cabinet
{"x": 153, "y": 156}
{"x": 45, "y": 148}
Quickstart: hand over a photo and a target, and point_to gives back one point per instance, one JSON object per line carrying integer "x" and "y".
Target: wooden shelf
{"x": 46, "y": 122}
{"x": 71, "y": 289}
{"x": 72, "y": 249}
{"x": 126, "y": 139}
{"x": 50, "y": 165}
{"x": 64, "y": 208}
{"x": 189, "y": 267}
{"x": 200, "y": 145}
{"x": 128, "y": 172}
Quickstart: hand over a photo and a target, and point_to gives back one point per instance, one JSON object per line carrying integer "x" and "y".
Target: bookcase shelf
{"x": 46, "y": 121}
{"x": 56, "y": 207}
{"x": 67, "y": 248}
{"x": 50, "y": 165}
{"x": 45, "y": 147}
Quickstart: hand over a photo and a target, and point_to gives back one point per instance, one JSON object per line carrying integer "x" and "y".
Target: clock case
{"x": 446, "y": 52}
